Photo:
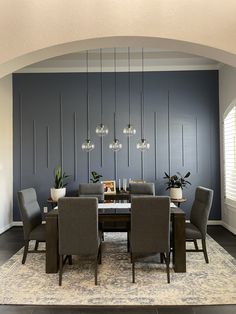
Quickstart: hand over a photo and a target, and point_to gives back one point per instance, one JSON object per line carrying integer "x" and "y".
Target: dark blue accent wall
{"x": 181, "y": 122}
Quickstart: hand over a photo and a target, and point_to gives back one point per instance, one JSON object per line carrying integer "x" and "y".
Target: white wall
{"x": 33, "y": 30}
{"x": 227, "y": 94}
{"x": 6, "y": 153}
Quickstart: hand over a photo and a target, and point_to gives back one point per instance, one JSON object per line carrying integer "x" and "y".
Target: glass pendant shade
{"x": 88, "y": 146}
{"x": 101, "y": 130}
{"x": 115, "y": 145}
{"x": 129, "y": 130}
{"x": 143, "y": 145}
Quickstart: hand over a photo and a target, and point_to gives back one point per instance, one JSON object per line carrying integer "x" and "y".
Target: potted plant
{"x": 59, "y": 189}
{"x": 176, "y": 183}
{"x": 95, "y": 177}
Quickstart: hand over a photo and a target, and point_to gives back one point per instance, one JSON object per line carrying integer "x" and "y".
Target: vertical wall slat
{"x": 142, "y": 165}
{"x": 21, "y": 136}
{"x": 34, "y": 147}
{"x": 48, "y": 147}
{"x": 128, "y": 150}
{"x": 182, "y": 145}
{"x": 196, "y": 145}
{"x": 75, "y": 148}
{"x": 155, "y": 144}
{"x": 101, "y": 148}
{"x": 168, "y": 124}
{"x": 61, "y": 133}
{"x": 88, "y": 164}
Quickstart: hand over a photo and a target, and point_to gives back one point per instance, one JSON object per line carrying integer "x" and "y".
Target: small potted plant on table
{"x": 176, "y": 183}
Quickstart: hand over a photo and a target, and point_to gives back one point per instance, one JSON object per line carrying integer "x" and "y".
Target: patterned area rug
{"x": 214, "y": 283}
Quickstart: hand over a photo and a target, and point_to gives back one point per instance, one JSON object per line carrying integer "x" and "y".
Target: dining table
{"x": 118, "y": 212}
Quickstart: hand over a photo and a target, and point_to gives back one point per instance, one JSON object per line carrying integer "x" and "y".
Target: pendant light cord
{"x": 88, "y": 135}
{"x": 101, "y": 78}
{"x": 129, "y": 80}
{"x": 142, "y": 97}
{"x": 115, "y": 94}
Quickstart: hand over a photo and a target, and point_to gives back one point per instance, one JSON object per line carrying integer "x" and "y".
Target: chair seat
{"x": 192, "y": 232}
{"x": 38, "y": 233}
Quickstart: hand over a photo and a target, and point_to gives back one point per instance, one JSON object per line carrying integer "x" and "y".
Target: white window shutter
{"x": 230, "y": 155}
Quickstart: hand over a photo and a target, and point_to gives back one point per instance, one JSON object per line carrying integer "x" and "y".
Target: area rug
{"x": 202, "y": 284}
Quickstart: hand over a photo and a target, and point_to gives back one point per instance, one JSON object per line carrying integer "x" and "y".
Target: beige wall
{"x": 6, "y": 153}
{"x": 227, "y": 94}
{"x": 33, "y": 30}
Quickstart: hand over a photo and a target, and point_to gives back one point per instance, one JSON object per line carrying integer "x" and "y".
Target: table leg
{"x": 51, "y": 244}
{"x": 179, "y": 250}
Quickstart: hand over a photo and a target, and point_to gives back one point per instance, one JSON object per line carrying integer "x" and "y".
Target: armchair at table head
{"x": 32, "y": 219}
{"x": 197, "y": 227}
{"x": 92, "y": 190}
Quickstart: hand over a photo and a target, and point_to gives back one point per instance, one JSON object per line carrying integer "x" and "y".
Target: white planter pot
{"x": 176, "y": 193}
{"x": 57, "y": 193}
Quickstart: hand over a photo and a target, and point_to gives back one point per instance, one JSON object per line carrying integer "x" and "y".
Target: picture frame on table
{"x": 109, "y": 186}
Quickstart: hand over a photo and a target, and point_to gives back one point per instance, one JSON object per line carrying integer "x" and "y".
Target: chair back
{"x": 141, "y": 189}
{"x": 201, "y": 208}
{"x": 150, "y": 224}
{"x": 92, "y": 190}
{"x": 30, "y": 212}
{"x": 78, "y": 225}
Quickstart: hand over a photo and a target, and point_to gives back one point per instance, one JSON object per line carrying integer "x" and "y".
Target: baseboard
{"x": 231, "y": 229}
{"x": 17, "y": 223}
{"x": 5, "y": 228}
{"x": 215, "y": 222}
{"x": 212, "y": 222}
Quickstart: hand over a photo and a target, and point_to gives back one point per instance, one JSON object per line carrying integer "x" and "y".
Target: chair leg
{"x": 60, "y": 269}
{"x": 36, "y": 245}
{"x": 96, "y": 272}
{"x": 133, "y": 270}
{"x": 25, "y": 251}
{"x": 205, "y": 250}
{"x": 100, "y": 255}
{"x": 195, "y": 244}
{"x": 161, "y": 258}
{"x": 168, "y": 266}
{"x": 128, "y": 243}
{"x": 70, "y": 259}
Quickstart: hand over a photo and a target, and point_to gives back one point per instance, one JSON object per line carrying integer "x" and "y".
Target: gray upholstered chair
{"x": 92, "y": 190}
{"x": 141, "y": 189}
{"x": 31, "y": 217}
{"x": 197, "y": 227}
{"x": 150, "y": 229}
{"x": 78, "y": 230}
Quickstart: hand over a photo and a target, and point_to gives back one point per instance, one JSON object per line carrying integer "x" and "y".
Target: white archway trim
{"x": 108, "y": 42}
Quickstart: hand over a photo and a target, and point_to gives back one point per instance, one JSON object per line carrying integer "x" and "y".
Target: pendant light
{"x": 129, "y": 130}
{"x": 101, "y": 129}
{"x": 143, "y": 144}
{"x": 115, "y": 145}
{"x": 87, "y": 145}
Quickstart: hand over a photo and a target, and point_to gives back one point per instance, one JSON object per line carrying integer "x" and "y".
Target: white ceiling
{"x": 153, "y": 60}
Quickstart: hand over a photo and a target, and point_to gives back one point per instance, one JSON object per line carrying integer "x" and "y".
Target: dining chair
{"x": 150, "y": 229}
{"x": 78, "y": 230}
{"x": 197, "y": 227}
{"x": 92, "y": 190}
{"x": 31, "y": 217}
{"x": 141, "y": 189}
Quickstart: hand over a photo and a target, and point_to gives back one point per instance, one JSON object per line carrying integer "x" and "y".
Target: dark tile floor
{"x": 12, "y": 240}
